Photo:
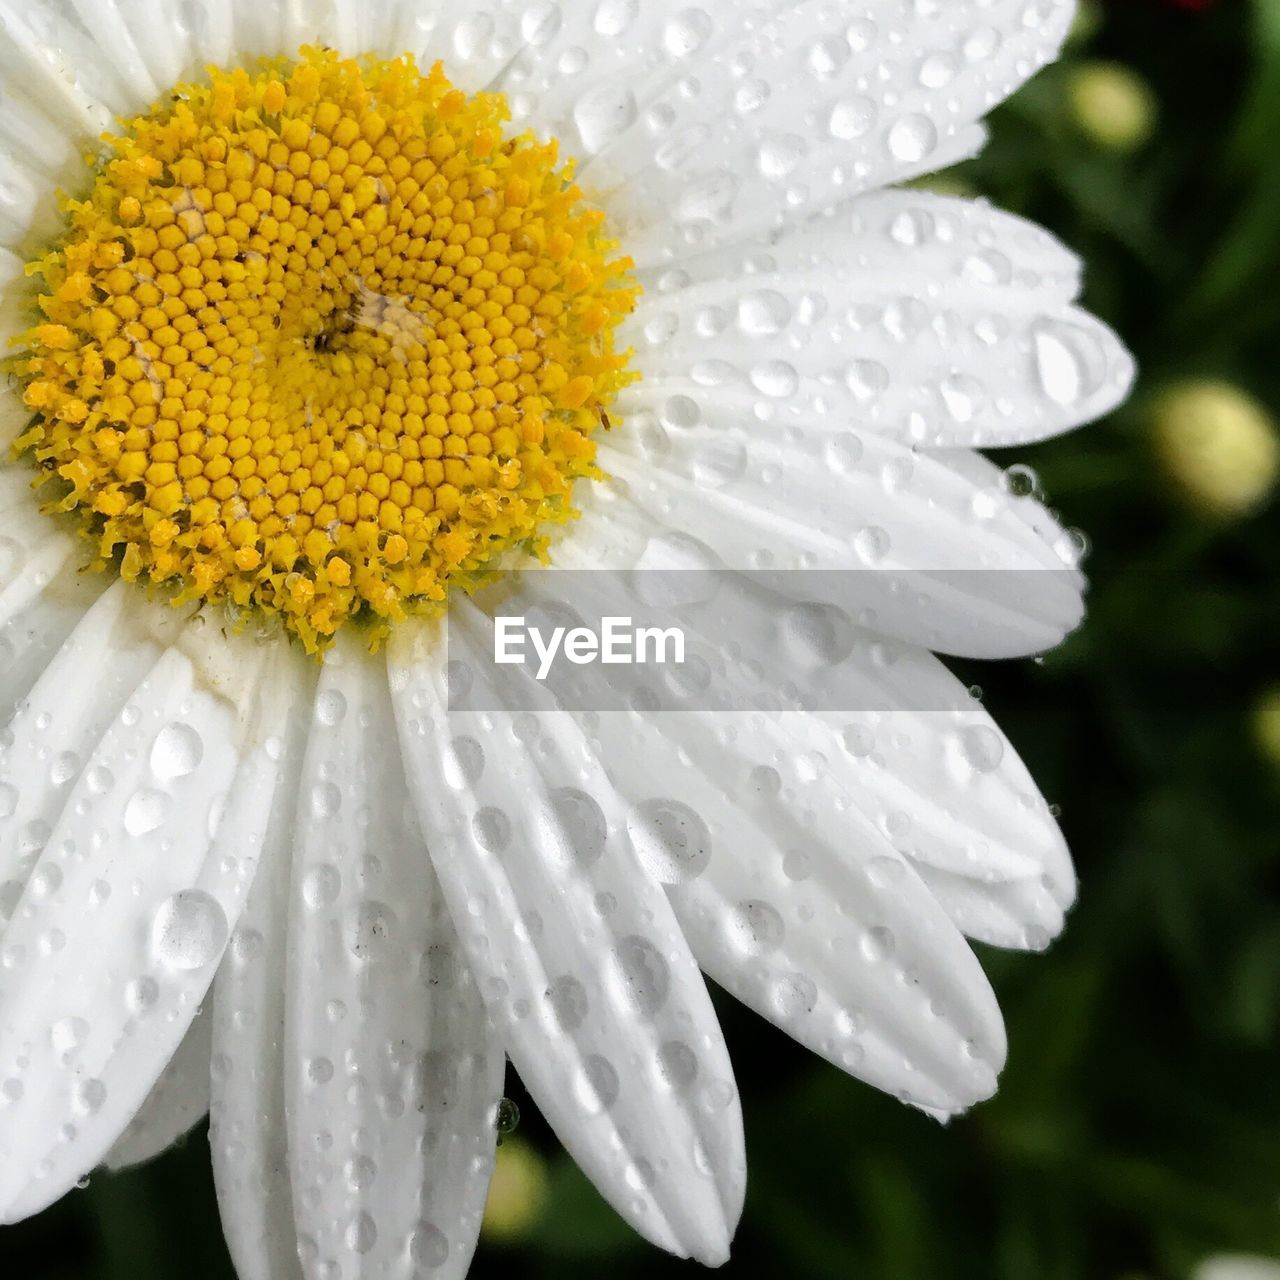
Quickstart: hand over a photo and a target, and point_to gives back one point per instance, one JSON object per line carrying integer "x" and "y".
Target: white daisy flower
{"x": 311, "y": 341}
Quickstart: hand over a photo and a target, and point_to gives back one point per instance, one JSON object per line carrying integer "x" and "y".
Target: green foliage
{"x": 1138, "y": 1124}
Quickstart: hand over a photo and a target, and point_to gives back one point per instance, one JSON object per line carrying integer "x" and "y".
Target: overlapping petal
{"x": 109, "y": 955}
{"x": 582, "y": 965}
{"x": 392, "y": 1074}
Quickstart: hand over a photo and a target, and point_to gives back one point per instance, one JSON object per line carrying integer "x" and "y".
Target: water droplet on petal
{"x": 146, "y": 810}
{"x": 670, "y": 839}
{"x": 983, "y": 748}
{"x": 189, "y": 930}
{"x": 176, "y": 752}
{"x": 911, "y": 138}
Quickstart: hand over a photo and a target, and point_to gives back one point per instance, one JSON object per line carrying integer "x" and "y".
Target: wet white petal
{"x": 32, "y": 549}
{"x": 178, "y": 1100}
{"x": 581, "y": 963}
{"x": 705, "y": 123}
{"x": 392, "y": 1075}
{"x": 247, "y": 1127}
{"x": 931, "y": 321}
{"x": 829, "y": 934}
{"x": 106, "y": 957}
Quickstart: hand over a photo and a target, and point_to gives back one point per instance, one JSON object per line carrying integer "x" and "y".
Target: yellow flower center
{"x": 321, "y": 341}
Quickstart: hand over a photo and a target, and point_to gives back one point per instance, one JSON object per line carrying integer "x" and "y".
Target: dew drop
{"x": 67, "y": 1035}
{"x": 851, "y": 118}
{"x": 326, "y": 800}
{"x": 603, "y": 114}
{"x": 613, "y": 17}
{"x": 686, "y": 33}
{"x": 764, "y": 313}
{"x": 983, "y": 748}
{"x": 361, "y": 1233}
{"x": 176, "y": 752}
{"x": 189, "y": 930}
{"x": 672, "y": 841}
{"x": 911, "y": 138}
{"x": 755, "y": 928}
{"x": 1070, "y": 362}
{"x": 321, "y": 886}
{"x": 872, "y": 544}
{"x": 775, "y": 378}
{"x": 878, "y": 944}
{"x": 331, "y": 707}
{"x": 146, "y": 810}
{"x": 429, "y": 1246}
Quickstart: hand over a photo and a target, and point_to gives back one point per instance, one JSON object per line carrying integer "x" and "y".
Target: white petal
{"x": 952, "y": 241}
{"x": 474, "y": 39}
{"x": 106, "y": 22}
{"x": 828, "y": 933}
{"x": 15, "y": 293}
{"x": 213, "y": 30}
{"x": 581, "y": 962}
{"x": 1023, "y": 915}
{"x": 29, "y": 640}
{"x": 60, "y": 723}
{"x": 927, "y": 320}
{"x": 392, "y": 1074}
{"x": 32, "y": 548}
{"x": 934, "y": 558}
{"x": 178, "y": 1101}
{"x": 51, "y": 60}
{"x": 889, "y": 730}
{"x": 708, "y": 124}
{"x": 125, "y": 916}
{"x": 247, "y": 1127}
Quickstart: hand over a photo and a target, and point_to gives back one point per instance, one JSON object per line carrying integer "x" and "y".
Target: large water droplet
{"x": 331, "y": 707}
{"x": 775, "y": 378}
{"x": 1070, "y": 361}
{"x": 764, "y": 313}
{"x": 176, "y": 752}
{"x": 67, "y": 1035}
{"x": 146, "y": 810}
{"x": 983, "y": 748}
{"x": 646, "y": 977}
{"x": 603, "y": 114}
{"x": 686, "y": 33}
{"x": 755, "y": 928}
{"x": 871, "y": 544}
{"x": 911, "y": 138}
{"x": 670, "y": 839}
{"x": 189, "y": 930}
{"x": 851, "y": 117}
{"x": 613, "y": 17}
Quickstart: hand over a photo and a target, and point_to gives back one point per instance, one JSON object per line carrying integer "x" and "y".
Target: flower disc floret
{"x": 323, "y": 341}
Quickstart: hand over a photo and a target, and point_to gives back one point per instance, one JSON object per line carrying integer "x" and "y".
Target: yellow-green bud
{"x": 516, "y": 1194}
{"x": 1112, "y": 105}
{"x": 1266, "y": 732}
{"x": 1219, "y": 445}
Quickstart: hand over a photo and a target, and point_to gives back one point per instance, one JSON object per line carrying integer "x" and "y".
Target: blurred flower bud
{"x": 1219, "y": 445}
{"x": 1266, "y": 730}
{"x": 517, "y": 1192}
{"x": 1112, "y": 105}
{"x": 1238, "y": 1266}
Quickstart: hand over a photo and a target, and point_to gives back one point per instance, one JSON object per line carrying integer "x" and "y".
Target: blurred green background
{"x": 1137, "y": 1128}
